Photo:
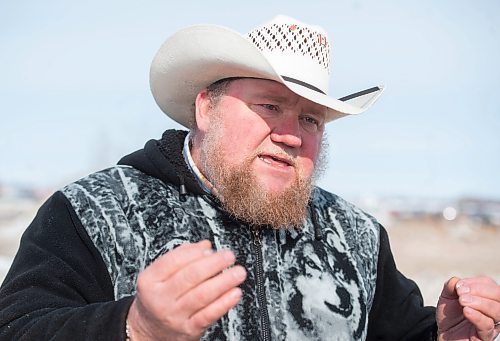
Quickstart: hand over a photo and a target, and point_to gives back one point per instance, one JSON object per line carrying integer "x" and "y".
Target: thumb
{"x": 449, "y": 289}
{"x": 448, "y": 311}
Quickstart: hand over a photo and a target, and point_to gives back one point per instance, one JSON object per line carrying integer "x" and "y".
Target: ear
{"x": 202, "y": 110}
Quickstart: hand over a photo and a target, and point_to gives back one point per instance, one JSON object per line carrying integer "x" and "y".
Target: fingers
{"x": 166, "y": 265}
{"x": 481, "y": 286}
{"x": 205, "y": 317}
{"x": 480, "y": 299}
{"x": 483, "y": 324}
{"x": 486, "y": 306}
{"x": 207, "y": 292}
{"x": 482, "y": 296}
{"x": 199, "y": 271}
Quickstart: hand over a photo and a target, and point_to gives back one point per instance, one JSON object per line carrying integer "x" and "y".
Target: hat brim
{"x": 197, "y": 56}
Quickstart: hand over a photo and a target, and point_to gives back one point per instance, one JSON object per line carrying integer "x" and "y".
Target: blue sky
{"x": 75, "y": 97}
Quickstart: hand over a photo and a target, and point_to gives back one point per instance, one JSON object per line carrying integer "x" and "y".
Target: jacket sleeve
{"x": 397, "y": 312}
{"x": 58, "y": 287}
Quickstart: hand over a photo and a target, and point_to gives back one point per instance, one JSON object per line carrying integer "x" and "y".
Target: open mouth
{"x": 276, "y": 160}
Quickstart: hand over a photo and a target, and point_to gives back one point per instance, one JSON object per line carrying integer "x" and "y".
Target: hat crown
{"x": 295, "y": 49}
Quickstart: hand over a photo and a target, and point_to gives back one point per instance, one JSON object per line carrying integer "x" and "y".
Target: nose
{"x": 287, "y": 131}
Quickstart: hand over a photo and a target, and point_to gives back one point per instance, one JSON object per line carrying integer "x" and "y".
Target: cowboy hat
{"x": 284, "y": 50}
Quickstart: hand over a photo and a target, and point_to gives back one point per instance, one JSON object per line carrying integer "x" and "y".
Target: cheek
{"x": 309, "y": 157}
{"x": 247, "y": 134}
{"x": 243, "y": 138}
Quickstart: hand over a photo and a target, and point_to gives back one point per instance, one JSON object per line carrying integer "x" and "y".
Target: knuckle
{"x": 190, "y": 330}
{"x": 200, "y": 297}
{"x": 201, "y": 321}
{"x": 172, "y": 259}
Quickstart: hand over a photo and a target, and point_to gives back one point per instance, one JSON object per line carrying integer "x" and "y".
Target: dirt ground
{"x": 430, "y": 252}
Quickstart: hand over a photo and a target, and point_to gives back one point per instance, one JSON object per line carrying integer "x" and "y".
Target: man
{"x": 220, "y": 233}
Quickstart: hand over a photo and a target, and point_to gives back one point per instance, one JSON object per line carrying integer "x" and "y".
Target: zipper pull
{"x": 256, "y": 236}
{"x": 182, "y": 189}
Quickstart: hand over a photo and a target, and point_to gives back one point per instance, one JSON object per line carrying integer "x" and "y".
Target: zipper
{"x": 261, "y": 293}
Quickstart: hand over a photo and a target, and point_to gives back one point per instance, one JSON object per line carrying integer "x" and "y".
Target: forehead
{"x": 265, "y": 89}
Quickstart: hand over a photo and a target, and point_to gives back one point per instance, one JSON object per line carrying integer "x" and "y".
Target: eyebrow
{"x": 267, "y": 96}
{"x": 283, "y": 99}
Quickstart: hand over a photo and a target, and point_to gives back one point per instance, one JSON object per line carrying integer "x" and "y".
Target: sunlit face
{"x": 264, "y": 124}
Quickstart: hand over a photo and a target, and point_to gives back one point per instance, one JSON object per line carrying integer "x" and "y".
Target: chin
{"x": 273, "y": 186}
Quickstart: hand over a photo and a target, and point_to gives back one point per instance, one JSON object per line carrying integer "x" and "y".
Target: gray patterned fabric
{"x": 314, "y": 288}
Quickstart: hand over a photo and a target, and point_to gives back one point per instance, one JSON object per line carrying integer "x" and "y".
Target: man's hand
{"x": 468, "y": 309}
{"x": 183, "y": 292}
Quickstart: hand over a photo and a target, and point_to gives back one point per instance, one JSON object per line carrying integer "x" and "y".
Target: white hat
{"x": 284, "y": 50}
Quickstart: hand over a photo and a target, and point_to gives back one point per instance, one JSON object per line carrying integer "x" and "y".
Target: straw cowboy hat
{"x": 284, "y": 50}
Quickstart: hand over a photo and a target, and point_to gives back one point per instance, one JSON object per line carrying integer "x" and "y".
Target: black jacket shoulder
{"x": 54, "y": 277}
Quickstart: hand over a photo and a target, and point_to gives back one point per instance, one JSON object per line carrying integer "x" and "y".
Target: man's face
{"x": 280, "y": 130}
{"x": 264, "y": 129}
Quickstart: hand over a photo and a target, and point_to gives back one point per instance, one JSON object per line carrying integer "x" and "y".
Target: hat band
{"x": 359, "y": 94}
{"x": 304, "y": 84}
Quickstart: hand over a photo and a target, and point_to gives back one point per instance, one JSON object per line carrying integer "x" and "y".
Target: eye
{"x": 270, "y": 107}
{"x": 312, "y": 264}
{"x": 310, "y": 123}
{"x": 311, "y": 120}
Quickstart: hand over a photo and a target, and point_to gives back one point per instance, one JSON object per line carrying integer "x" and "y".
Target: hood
{"x": 163, "y": 159}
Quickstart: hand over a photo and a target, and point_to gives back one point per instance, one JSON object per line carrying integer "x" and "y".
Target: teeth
{"x": 265, "y": 160}
{"x": 269, "y": 159}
